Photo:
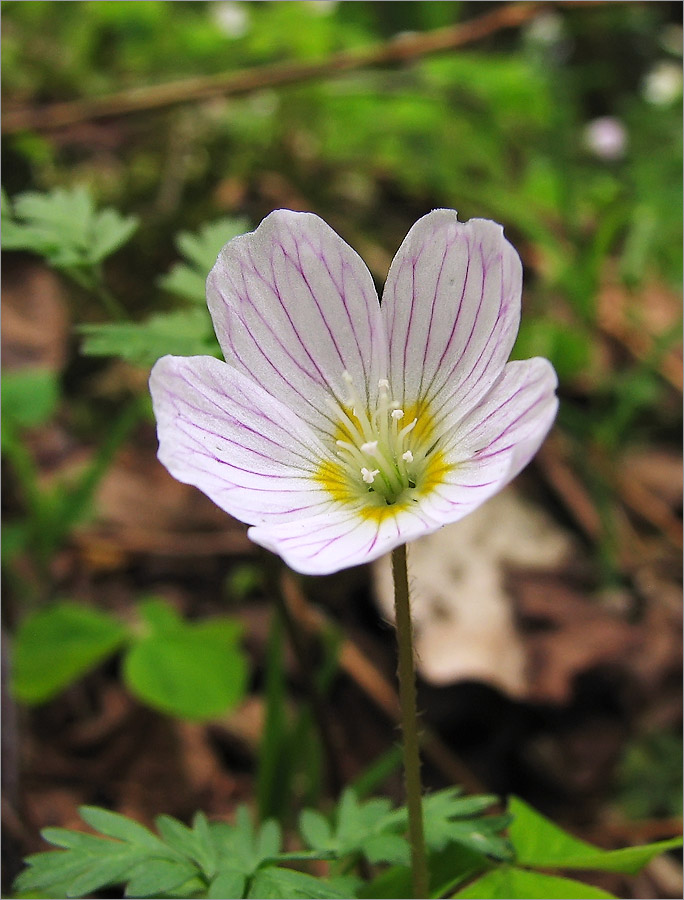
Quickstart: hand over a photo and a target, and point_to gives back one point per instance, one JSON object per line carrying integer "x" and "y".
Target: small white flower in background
{"x": 546, "y": 28}
{"x": 663, "y": 84}
{"x": 606, "y": 138}
{"x": 231, "y": 16}
{"x": 322, "y": 7}
{"x": 340, "y": 429}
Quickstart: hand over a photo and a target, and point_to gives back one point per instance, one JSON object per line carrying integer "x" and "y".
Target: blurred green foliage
{"x": 498, "y": 130}
{"x": 191, "y": 670}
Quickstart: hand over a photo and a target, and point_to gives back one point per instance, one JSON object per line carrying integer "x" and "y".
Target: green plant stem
{"x": 409, "y": 722}
{"x": 92, "y": 281}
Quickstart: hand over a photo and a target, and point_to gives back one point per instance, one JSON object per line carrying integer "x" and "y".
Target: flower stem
{"x": 409, "y": 722}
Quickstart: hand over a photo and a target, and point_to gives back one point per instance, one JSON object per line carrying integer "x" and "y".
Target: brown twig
{"x": 233, "y": 84}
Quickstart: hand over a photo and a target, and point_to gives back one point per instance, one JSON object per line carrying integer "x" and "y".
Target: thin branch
{"x": 233, "y": 84}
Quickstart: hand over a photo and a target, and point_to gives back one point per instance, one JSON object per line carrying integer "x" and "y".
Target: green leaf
{"x": 48, "y": 870}
{"x": 450, "y": 817}
{"x": 29, "y": 397}
{"x": 540, "y": 842}
{"x": 186, "y": 332}
{"x": 205, "y": 843}
{"x": 128, "y": 853}
{"x": 277, "y": 883}
{"x": 387, "y": 848}
{"x": 227, "y": 885}
{"x": 114, "y": 825}
{"x": 110, "y": 231}
{"x": 57, "y": 645}
{"x": 64, "y": 226}
{"x": 188, "y": 280}
{"x": 269, "y": 839}
{"x": 159, "y": 615}
{"x": 509, "y": 882}
{"x": 155, "y": 877}
{"x": 177, "y": 835}
{"x": 315, "y": 828}
{"x": 104, "y": 871}
{"x": 192, "y": 670}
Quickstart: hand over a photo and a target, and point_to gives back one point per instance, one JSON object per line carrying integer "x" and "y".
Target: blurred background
{"x": 137, "y": 139}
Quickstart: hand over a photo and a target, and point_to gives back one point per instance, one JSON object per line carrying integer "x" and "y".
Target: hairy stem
{"x": 409, "y": 722}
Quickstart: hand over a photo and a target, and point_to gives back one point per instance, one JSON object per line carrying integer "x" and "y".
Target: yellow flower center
{"x": 386, "y": 457}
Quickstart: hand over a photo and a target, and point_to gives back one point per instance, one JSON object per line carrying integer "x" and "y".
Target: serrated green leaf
{"x": 481, "y": 835}
{"x": 29, "y": 397}
{"x": 84, "y": 636}
{"x": 191, "y": 671}
{"x": 200, "y": 250}
{"x": 155, "y": 877}
{"x": 63, "y": 226}
{"x": 110, "y": 231}
{"x": 186, "y": 332}
{"x": 315, "y": 828}
{"x": 387, "y": 848}
{"x": 227, "y": 885}
{"x": 540, "y": 842}
{"x": 269, "y": 839}
{"x": 205, "y": 843}
{"x": 202, "y": 247}
{"x": 449, "y": 817}
{"x": 177, "y": 835}
{"x": 277, "y": 883}
{"x": 509, "y": 883}
{"x": 103, "y": 871}
{"x": 185, "y": 282}
{"x": 48, "y": 869}
{"x": 77, "y": 840}
{"x": 114, "y": 825}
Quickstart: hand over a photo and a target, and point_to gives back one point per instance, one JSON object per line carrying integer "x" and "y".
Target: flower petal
{"x": 497, "y": 439}
{"x": 245, "y": 450}
{"x": 452, "y": 309}
{"x": 294, "y": 307}
{"x": 341, "y": 537}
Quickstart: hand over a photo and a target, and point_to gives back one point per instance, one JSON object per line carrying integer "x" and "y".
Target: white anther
{"x": 383, "y": 384}
{"x": 347, "y": 377}
{"x": 369, "y": 447}
{"x": 407, "y": 457}
{"x": 368, "y": 476}
{"x": 397, "y": 413}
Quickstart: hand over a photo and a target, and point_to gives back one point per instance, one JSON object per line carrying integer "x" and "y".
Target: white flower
{"x": 663, "y": 84}
{"x": 337, "y": 428}
{"x": 606, "y": 137}
{"x": 231, "y": 16}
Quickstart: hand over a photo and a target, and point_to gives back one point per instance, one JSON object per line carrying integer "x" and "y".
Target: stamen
{"x": 374, "y": 445}
{"x": 405, "y": 431}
